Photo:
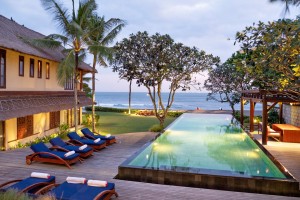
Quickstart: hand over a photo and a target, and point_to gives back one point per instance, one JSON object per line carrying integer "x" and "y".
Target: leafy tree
{"x": 273, "y": 51}
{"x": 225, "y": 81}
{"x": 156, "y": 60}
{"x": 102, "y": 34}
{"x": 73, "y": 27}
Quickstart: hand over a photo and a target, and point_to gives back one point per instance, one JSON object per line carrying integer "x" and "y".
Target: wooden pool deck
{"x": 104, "y": 166}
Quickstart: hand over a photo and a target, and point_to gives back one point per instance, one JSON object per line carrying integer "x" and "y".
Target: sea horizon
{"x": 183, "y": 101}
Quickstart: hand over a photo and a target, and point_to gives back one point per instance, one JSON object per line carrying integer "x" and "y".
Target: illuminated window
{"x": 31, "y": 68}
{"x": 47, "y": 70}
{"x": 21, "y": 65}
{"x": 2, "y": 69}
{"x": 39, "y": 69}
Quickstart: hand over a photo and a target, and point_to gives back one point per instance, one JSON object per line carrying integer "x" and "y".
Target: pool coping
{"x": 218, "y": 180}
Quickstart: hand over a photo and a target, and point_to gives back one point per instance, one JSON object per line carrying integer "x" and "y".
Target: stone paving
{"x": 104, "y": 166}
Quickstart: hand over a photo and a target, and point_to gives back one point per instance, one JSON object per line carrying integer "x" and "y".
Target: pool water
{"x": 207, "y": 143}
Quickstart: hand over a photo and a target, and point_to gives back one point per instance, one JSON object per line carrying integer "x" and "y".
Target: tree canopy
{"x": 227, "y": 80}
{"x": 272, "y": 51}
{"x": 156, "y": 60}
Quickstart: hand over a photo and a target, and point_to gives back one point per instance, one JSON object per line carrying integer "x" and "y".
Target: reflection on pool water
{"x": 210, "y": 142}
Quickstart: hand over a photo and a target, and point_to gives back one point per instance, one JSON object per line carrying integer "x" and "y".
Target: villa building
{"x": 32, "y": 103}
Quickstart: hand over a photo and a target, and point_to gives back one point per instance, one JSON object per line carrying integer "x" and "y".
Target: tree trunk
{"x": 162, "y": 121}
{"x": 93, "y": 94}
{"x": 75, "y": 92}
{"x": 129, "y": 98}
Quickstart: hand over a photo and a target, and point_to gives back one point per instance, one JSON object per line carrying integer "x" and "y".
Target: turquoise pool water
{"x": 207, "y": 143}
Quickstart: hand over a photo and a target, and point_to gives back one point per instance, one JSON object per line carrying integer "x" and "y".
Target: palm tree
{"x": 74, "y": 33}
{"x": 288, "y": 3}
{"x": 102, "y": 34}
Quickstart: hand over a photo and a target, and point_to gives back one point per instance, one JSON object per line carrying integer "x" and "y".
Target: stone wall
{"x": 291, "y": 114}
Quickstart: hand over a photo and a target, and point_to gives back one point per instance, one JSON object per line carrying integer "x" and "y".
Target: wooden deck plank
{"x": 104, "y": 166}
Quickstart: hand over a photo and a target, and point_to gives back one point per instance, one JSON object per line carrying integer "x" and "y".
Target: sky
{"x": 209, "y": 25}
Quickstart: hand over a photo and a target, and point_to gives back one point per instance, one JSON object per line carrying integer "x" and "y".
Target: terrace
{"x": 104, "y": 165}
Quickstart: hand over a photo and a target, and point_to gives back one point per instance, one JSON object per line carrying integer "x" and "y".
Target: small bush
{"x": 174, "y": 114}
{"x": 273, "y": 116}
{"x": 156, "y": 128}
{"x": 105, "y": 109}
{"x": 16, "y": 195}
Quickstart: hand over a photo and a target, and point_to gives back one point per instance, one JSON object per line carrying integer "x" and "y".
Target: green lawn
{"x": 118, "y": 123}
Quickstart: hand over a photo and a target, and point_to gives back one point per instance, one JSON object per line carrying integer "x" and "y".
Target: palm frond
{"x": 65, "y": 70}
{"x": 61, "y": 15}
{"x": 42, "y": 43}
{"x": 63, "y": 39}
{"x": 112, "y": 34}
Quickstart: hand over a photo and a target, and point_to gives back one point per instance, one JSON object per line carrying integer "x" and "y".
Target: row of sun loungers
{"x": 67, "y": 153}
{"x": 72, "y": 189}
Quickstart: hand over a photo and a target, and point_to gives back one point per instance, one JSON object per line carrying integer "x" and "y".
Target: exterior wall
{"x": 40, "y": 129}
{"x": 41, "y": 124}
{"x": 14, "y": 82}
{"x": 291, "y": 114}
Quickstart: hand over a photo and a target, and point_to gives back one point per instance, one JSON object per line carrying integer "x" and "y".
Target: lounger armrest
{"x": 59, "y": 148}
{"x": 46, "y": 189}
{"x": 75, "y": 142}
{"x": 10, "y": 182}
{"x": 106, "y": 192}
{"x": 35, "y": 185}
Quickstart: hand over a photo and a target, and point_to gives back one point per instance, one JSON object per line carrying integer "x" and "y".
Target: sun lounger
{"x": 59, "y": 144}
{"x": 89, "y": 134}
{"x": 80, "y": 191}
{"x": 43, "y": 154}
{"x": 77, "y": 140}
{"x": 30, "y": 185}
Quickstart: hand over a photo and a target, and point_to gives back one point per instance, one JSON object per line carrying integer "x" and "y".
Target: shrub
{"x": 156, "y": 128}
{"x": 174, "y": 113}
{"x": 64, "y": 129}
{"x": 273, "y": 116}
{"x": 105, "y": 109}
{"x": 15, "y": 195}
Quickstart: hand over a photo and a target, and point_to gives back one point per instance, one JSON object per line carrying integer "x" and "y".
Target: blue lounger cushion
{"x": 41, "y": 147}
{"x": 87, "y": 131}
{"x": 28, "y": 182}
{"x": 93, "y": 191}
{"x": 59, "y": 142}
{"x": 79, "y": 191}
{"x": 75, "y": 136}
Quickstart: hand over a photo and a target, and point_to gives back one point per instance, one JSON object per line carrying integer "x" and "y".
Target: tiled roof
{"x": 20, "y": 104}
{"x": 11, "y": 34}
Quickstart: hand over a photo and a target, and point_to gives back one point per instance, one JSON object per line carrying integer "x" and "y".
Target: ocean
{"x": 183, "y": 101}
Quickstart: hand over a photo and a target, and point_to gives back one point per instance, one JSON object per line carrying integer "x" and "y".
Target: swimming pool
{"x": 208, "y": 150}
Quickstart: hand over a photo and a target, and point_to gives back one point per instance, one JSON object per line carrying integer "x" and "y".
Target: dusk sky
{"x": 205, "y": 24}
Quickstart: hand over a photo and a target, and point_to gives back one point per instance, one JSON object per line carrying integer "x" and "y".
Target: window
{"x": 24, "y": 127}
{"x": 54, "y": 119}
{"x": 21, "y": 65}
{"x": 39, "y": 69}
{"x": 47, "y": 70}
{"x": 69, "y": 84}
{"x": 2, "y": 68}
{"x": 31, "y": 68}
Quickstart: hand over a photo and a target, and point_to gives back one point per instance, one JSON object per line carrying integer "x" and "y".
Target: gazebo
{"x": 265, "y": 97}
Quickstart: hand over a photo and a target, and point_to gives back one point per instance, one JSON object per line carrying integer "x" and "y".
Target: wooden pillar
{"x": 242, "y": 111}
{"x": 265, "y": 122}
{"x": 251, "y": 116}
{"x": 280, "y": 112}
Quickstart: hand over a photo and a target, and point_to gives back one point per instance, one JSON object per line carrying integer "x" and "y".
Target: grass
{"x": 118, "y": 123}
